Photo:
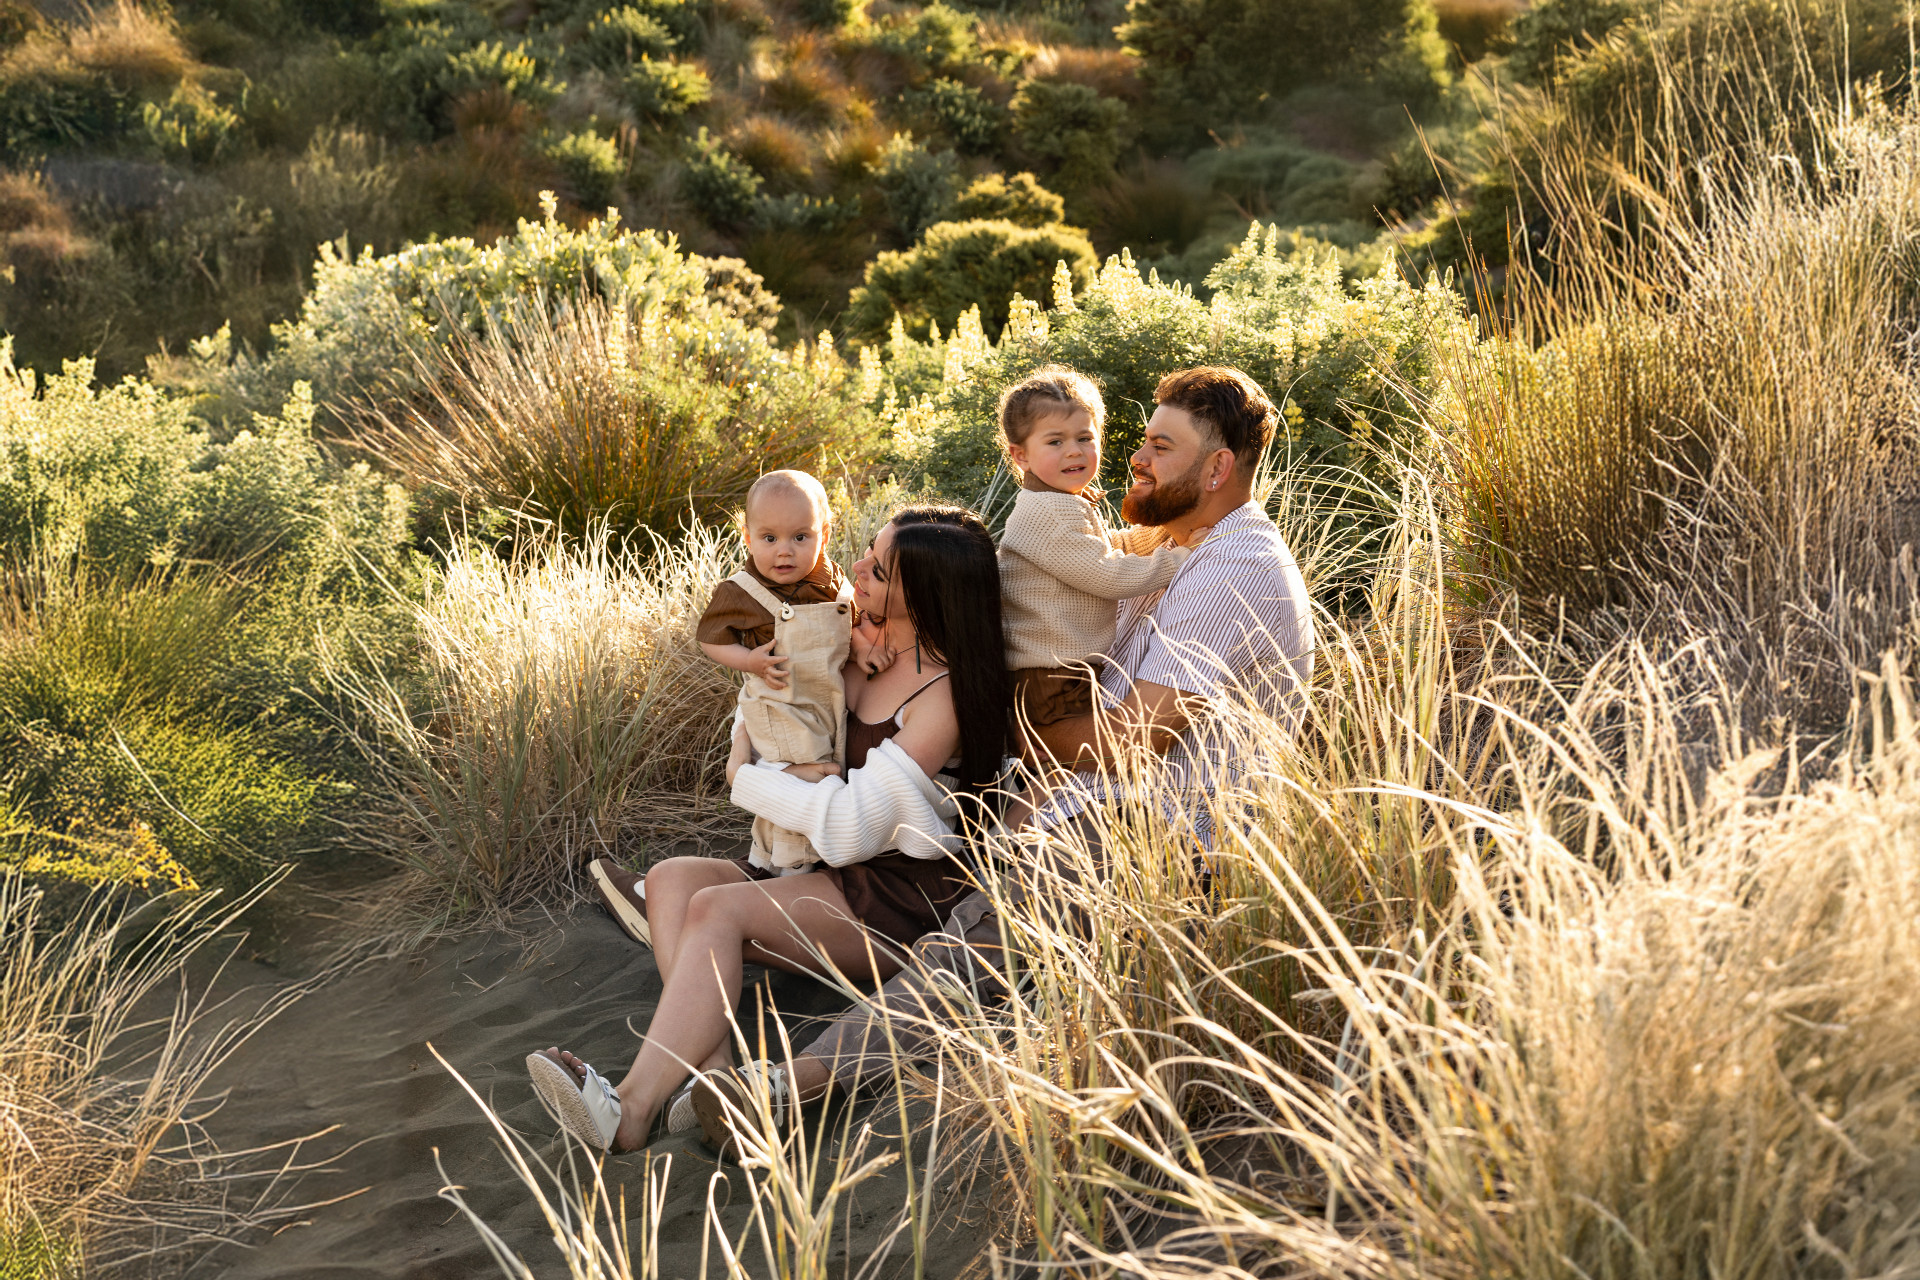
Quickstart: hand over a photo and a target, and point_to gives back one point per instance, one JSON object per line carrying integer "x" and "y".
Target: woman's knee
{"x": 678, "y": 875}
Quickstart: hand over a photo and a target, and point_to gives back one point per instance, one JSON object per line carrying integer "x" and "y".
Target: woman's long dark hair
{"x": 949, "y": 579}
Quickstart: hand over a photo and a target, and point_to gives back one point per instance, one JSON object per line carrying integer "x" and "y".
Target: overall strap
{"x": 758, "y": 590}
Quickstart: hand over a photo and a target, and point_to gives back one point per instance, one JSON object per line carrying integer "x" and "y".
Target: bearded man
{"x": 1234, "y": 623}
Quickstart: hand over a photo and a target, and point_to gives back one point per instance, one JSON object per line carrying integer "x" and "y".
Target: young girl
{"x": 1061, "y": 570}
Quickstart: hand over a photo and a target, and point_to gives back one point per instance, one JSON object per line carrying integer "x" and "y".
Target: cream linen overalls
{"x": 807, "y": 720}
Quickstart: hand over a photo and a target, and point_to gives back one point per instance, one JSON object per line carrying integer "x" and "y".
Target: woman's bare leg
{"x": 671, "y": 885}
{"x": 721, "y": 923}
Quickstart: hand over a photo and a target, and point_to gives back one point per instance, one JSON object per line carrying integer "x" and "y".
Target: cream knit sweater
{"x": 886, "y": 804}
{"x": 1061, "y": 571}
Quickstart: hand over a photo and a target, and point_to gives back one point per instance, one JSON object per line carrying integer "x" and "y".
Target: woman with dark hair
{"x": 927, "y": 737}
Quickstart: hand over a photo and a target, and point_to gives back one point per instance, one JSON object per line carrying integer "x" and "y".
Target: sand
{"x": 354, "y": 1053}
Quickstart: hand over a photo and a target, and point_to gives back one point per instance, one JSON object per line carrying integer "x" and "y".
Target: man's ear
{"x": 1219, "y": 468}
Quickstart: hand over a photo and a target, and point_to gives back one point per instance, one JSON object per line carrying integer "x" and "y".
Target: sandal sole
{"x": 711, "y": 1110}
{"x": 631, "y": 921}
{"x": 561, "y": 1092}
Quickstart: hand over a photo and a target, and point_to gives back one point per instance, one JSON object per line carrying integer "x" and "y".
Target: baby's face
{"x": 1063, "y": 449}
{"x": 786, "y": 535}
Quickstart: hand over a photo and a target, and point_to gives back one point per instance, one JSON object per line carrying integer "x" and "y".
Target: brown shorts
{"x": 1048, "y": 695}
{"x": 896, "y": 896}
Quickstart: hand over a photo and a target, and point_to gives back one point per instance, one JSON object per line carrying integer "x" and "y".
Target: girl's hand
{"x": 1196, "y": 535}
{"x": 815, "y": 771}
{"x": 870, "y": 648}
{"x": 742, "y": 754}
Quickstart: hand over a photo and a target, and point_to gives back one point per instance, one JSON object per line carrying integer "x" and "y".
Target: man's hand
{"x": 1158, "y": 711}
{"x": 769, "y": 667}
{"x": 870, "y": 648}
{"x": 815, "y": 771}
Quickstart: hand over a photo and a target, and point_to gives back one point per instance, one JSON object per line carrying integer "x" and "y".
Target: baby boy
{"x": 785, "y": 622}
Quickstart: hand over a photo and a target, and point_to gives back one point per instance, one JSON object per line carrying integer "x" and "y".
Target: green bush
{"x": 368, "y": 319}
{"x": 974, "y": 121}
{"x": 1020, "y": 200}
{"x": 1207, "y": 60}
{"x": 915, "y": 185}
{"x": 591, "y": 166}
{"x": 624, "y": 35}
{"x": 116, "y": 714}
{"x": 1341, "y": 361}
{"x": 191, "y": 127}
{"x": 1071, "y": 127}
{"x": 664, "y": 89}
{"x": 959, "y": 266}
{"x": 721, "y": 185}
{"x": 937, "y": 38}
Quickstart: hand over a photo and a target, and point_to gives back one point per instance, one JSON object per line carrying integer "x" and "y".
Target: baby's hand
{"x": 1196, "y": 536}
{"x": 870, "y": 648}
{"x": 770, "y": 667}
{"x": 815, "y": 771}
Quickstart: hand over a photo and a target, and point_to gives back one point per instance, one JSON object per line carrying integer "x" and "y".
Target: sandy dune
{"x": 355, "y": 1053}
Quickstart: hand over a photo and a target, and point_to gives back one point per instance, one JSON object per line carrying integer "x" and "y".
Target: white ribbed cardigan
{"x": 887, "y": 804}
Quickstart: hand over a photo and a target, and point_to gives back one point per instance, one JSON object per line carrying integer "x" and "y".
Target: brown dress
{"x": 897, "y": 896}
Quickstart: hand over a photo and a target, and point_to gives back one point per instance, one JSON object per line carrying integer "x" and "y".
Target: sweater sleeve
{"x": 1069, "y": 545}
{"x": 886, "y": 804}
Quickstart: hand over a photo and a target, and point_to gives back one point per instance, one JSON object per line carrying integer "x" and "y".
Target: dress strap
{"x": 916, "y": 693}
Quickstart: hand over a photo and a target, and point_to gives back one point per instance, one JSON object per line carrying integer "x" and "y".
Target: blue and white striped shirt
{"x": 1234, "y": 623}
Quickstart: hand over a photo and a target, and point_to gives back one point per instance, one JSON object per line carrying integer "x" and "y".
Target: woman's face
{"x": 873, "y": 576}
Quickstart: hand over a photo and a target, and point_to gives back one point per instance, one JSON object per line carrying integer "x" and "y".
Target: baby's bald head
{"x": 787, "y": 517}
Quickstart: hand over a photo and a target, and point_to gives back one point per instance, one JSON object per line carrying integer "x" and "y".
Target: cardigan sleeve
{"x": 886, "y": 804}
{"x": 1060, "y": 535}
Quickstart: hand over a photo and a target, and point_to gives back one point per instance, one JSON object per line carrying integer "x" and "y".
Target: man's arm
{"x": 1151, "y": 713}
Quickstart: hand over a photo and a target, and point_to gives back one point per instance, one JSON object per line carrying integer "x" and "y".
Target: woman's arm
{"x": 888, "y": 803}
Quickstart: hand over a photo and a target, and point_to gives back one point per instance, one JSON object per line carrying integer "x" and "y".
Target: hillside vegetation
{"x": 384, "y": 375}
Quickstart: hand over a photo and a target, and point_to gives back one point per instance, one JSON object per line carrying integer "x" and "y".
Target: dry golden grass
{"x": 98, "y": 1071}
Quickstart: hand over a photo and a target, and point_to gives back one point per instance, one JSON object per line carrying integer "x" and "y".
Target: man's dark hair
{"x": 1227, "y": 403}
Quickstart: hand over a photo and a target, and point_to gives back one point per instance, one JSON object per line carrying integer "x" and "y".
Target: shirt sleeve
{"x": 1069, "y": 546}
{"x": 887, "y": 804}
{"x": 1232, "y": 615}
{"x": 730, "y": 611}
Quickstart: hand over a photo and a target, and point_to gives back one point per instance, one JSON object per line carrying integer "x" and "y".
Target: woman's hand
{"x": 742, "y": 752}
{"x": 871, "y": 652}
{"x": 815, "y": 771}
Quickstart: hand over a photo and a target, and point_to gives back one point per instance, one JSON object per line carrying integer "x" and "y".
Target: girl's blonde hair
{"x": 1049, "y": 389}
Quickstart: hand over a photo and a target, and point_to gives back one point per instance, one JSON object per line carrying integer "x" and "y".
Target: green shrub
{"x": 1547, "y": 32}
{"x": 915, "y": 185}
{"x": 721, "y": 185}
{"x": 493, "y": 65}
{"x": 1020, "y": 200}
{"x": 937, "y": 38}
{"x": 190, "y": 127}
{"x": 974, "y": 121}
{"x": 664, "y": 89}
{"x": 959, "y": 266}
{"x": 624, "y": 35}
{"x": 1207, "y": 60}
{"x": 1341, "y": 362}
{"x": 366, "y": 319}
{"x": 1070, "y": 126}
{"x": 116, "y": 715}
{"x": 591, "y": 166}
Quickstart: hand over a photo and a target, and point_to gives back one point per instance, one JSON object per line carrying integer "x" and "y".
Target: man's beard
{"x": 1166, "y": 502}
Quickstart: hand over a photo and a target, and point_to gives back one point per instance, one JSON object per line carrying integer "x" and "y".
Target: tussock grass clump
{"x": 94, "y": 1086}
{"x": 563, "y": 707}
{"x": 601, "y": 415}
